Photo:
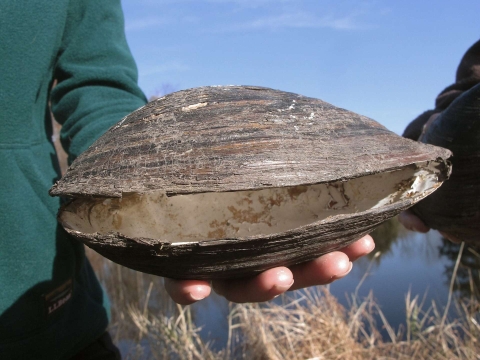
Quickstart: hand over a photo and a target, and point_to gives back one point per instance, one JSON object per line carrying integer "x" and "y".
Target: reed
{"x": 307, "y": 324}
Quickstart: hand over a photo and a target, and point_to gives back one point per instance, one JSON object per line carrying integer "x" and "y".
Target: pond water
{"x": 403, "y": 261}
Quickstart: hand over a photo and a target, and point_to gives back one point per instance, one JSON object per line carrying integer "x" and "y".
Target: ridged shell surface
{"x": 228, "y": 138}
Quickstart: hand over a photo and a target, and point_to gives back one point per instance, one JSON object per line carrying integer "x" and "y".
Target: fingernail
{"x": 336, "y": 277}
{"x": 285, "y": 281}
{"x": 283, "y": 276}
{"x": 369, "y": 246}
{"x": 197, "y": 297}
{"x": 198, "y": 294}
{"x": 414, "y": 228}
{"x": 419, "y": 230}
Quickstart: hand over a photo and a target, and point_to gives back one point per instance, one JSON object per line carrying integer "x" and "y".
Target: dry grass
{"x": 145, "y": 316}
{"x": 309, "y": 324}
{"x": 171, "y": 336}
{"x": 315, "y": 326}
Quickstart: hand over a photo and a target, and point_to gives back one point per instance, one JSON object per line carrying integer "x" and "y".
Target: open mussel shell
{"x": 228, "y": 181}
{"x": 455, "y": 208}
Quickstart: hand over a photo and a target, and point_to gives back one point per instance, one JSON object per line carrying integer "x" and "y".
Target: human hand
{"x": 273, "y": 282}
{"x": 412, "y": 222}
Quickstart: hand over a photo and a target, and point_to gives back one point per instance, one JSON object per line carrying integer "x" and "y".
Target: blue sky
{"x": 384, "y": 59}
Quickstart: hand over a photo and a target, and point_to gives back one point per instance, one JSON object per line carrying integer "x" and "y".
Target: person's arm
{"x": 467, "y": 76}
{"x": 95, "y": 73}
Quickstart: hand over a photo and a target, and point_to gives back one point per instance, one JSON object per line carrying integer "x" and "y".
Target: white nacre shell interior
{"x": 241, "y": 214}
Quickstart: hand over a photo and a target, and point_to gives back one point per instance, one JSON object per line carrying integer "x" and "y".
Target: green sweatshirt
{"x": 51, "y": 304}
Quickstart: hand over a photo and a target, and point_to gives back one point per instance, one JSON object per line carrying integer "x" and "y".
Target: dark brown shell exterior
{"x": 232, "y": 138}
{"x": 228, "y": 138}
{"x": 455, "y": 207}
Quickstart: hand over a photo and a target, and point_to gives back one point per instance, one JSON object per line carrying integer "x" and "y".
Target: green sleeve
{"x": 95, "y": 73}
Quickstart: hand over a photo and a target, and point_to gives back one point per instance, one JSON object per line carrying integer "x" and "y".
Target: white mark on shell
{"x": 194, "y": 106}
{"x": 122, "y": 121}
{"x": 185, "y": 152}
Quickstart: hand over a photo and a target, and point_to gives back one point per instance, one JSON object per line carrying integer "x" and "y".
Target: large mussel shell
{"x": 227, "y": 181}
{"x": 455, "y": 208}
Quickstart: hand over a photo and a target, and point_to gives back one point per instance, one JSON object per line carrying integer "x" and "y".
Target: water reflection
{"x": 385, "y": 236}
{"x": 390, "y": 233}
{"x": 402, "y": 262}
{"x": 467, "y": 282}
